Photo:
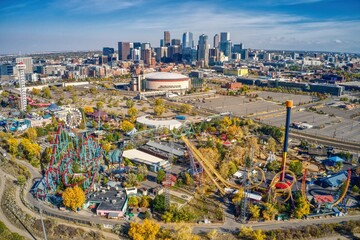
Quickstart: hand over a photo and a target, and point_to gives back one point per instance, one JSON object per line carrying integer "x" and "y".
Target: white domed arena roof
{"x": 165, "y": 76}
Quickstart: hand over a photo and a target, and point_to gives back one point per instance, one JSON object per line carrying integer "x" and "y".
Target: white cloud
{"x": 98, "y": 6}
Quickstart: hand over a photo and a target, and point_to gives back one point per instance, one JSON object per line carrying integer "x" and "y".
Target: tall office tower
{"x": 224, "y": 36}
{"x": 187, "y": 40}
{"x": 137, "y": 45}
{"x": 21, "y": 69}
{"x": 161, "y": 42}
{"x": 175, "y": 42}
{"x": 28, "y": 63}
{"x": 145, "y": 45}
{"x": 245, "y": 54}
{"x": 108, "y": 51}
{"x": 147, "y": 56}
{"x": 135, "y": 54}
{"x": 161, "y": 53}
{"x": 214, "y": 55}
{"x": 237, "y": 48}
{"x": 123, "y": 50}
{"x": 216, "y": 41}
{"x": 166, "y": 38}
{"x": 174, "y": 53}
{"x": 203, "y": 49}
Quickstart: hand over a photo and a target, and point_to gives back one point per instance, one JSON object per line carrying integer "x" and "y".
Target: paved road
{"x": 3, "y": 218}
{"x": 274, "y": 224}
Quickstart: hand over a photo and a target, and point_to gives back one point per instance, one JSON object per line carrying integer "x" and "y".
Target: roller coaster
{"x": 75, "y": 161}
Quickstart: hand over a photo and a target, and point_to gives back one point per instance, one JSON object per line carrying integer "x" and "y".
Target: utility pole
{"x": 42, "y": 221}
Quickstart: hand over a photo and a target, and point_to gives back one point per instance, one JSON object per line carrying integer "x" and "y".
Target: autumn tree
{"x": 133, "y": 201}
{"x": 13, "y": 145}
{"x": 185, "y": 108}
{"x": 145, "y": 201}
{"x": 183, "y": 232}
{"x": 253, "y": 143}
{"x": 31, "y": 150}
{"x": 130, "y": 103}
{"x": 31, "y": 134}
{"x": 88, "y": 109}
{"x": 46, "y": 93}
{"x": 248, "y": 233}
{"x": 146, "y": 230}
{"x": 234, "y": 132}
{"x": 269, "y": 211}
{"x": 211, "y": 154}
{"x": 255, "y": 211}
{"x": 159, "y": 110}
{"x": 302, "y": 207}
{"x": 132, "y": 112}
{"x": 21, "y": 180}
{"x": 36, "y": 91}
{"x": 73, "y": 197}
{"x": 127, "y": 126}
{"x": 238, "y": 197}
{"x": 99, "y": 105}
{"x": 159, "y": 102}
{"x": 272, "y": 145}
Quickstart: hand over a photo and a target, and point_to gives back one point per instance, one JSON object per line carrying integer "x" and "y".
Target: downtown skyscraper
{"x": 225, "y": 44}
{"x": 203, "y": 49}
{"x": 166, "y": 38}
{"x": 187, "y": 40}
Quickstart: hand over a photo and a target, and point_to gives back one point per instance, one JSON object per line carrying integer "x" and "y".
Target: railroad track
{"x": 352, "y": 146}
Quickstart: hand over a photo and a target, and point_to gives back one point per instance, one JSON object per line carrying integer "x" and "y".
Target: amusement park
{"x": 174, "y": 164}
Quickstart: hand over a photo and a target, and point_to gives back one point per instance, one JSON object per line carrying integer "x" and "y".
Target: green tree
{"x": 296, "y": 167}
{"x": 21, "y": 180}
{"x": 160, "y": 176}
{"x": 159, "y": 204}
{"x": 145, "y": 201}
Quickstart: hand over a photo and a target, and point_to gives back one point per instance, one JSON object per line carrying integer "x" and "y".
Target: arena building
{"x": 165, "y": 81}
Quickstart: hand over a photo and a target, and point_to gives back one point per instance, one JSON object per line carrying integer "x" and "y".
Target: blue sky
{"x": 56, "y": 25}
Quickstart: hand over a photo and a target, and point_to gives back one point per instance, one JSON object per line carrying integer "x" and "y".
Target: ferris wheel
{"x": 73, "y": 118}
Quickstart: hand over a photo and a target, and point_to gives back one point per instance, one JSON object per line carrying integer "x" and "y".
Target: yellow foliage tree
{"x": 73, "y": 197}
{"x": 237, "y": 198}
{"x": 31, "y": 134}
{"x": 272, "y": 145}
{"x": 302, "y": 207}
{"x": 234, "y": 132}
{"x": 269, "y": 212}
{"x": 211, "y": 154}
{"x": 146, "y": 230}
{"x": 132, "y": 112}
{"x": 183, "y": 232}
{"x": 88, "y": 109}
{"x": 255, "y": 211}
{"x": 13, "y": 145}
{"x": 185, "y": 108}
{"x": 127, "y": 126}
{"x": 159, "y": 110}
{"x": 31, "y": 150}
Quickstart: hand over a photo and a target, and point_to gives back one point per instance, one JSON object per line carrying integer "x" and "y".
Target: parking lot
{"x": 336, "y": 124}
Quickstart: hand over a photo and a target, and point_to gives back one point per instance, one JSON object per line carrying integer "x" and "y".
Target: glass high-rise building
{"x": 166, "y": 38}
{"x": 187, "y": 40}
{"x": 203, "y": 49}
{"x": 123, "y": 50}
{"x": 216, "y": 41}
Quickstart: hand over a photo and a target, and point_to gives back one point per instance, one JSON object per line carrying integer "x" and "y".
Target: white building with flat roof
{"x": 140, "y": 157}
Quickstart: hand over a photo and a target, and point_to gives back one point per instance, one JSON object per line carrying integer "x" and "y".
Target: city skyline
{"x": 310, "y": 25}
